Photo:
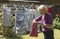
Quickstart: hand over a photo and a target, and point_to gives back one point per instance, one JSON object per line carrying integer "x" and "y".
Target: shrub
{"x": 56, "y": 23}
{"x": 8, "y": 31}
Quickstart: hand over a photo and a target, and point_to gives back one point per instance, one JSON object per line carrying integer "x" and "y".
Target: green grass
{"x": 57, "y": 34}
{"x": 40, "y": 35}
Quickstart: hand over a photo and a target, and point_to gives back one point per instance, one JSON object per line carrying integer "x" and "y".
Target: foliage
{"x": 56, "y": 23}
{"x": 8, "y": 30}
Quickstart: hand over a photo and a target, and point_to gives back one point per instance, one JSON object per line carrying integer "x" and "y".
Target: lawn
{"x": 40, "y": 35}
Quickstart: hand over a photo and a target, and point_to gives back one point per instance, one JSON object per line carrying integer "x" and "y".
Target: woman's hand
{"x": 34, "y": 21}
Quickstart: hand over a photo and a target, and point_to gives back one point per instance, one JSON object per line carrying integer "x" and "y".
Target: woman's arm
{"x": 36, "y": 20}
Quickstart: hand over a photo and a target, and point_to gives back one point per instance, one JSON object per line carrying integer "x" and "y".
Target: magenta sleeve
{"x": 38, "y": 18}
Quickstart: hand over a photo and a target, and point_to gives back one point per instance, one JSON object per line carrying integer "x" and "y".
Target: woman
{"x": 47, "y": 22}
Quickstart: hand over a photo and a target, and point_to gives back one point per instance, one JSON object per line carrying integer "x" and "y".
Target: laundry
{"x": 34, "y": 31}
{"x": 7, "y": 16}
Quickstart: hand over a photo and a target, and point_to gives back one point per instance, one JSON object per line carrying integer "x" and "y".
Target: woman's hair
{"x": 42, "y": 7}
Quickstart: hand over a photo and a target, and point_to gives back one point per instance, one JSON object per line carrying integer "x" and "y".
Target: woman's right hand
{"x": 34, "y": 21}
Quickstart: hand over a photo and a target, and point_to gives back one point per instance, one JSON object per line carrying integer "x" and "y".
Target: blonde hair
{"x": 41, "y": 7}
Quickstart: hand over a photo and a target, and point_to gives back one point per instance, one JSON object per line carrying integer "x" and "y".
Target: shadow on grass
{"x": 13, "y": 37}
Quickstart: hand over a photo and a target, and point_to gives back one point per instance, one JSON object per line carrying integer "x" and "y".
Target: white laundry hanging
{"x": 7, "y": 16}
{"x": 20, "y": 22}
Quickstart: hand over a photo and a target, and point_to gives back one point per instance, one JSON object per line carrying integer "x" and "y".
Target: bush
{"x": 56, "y": 23}
{"x": 8, "y": 31}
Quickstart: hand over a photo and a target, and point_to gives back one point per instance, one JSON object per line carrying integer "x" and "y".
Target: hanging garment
{"x": 29, "y": 18}
{"x": 30, "y": 15}
{"x": 7, "y": 16}
{"x": 34, "y": 31}
{"x": 20, "y": 25}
